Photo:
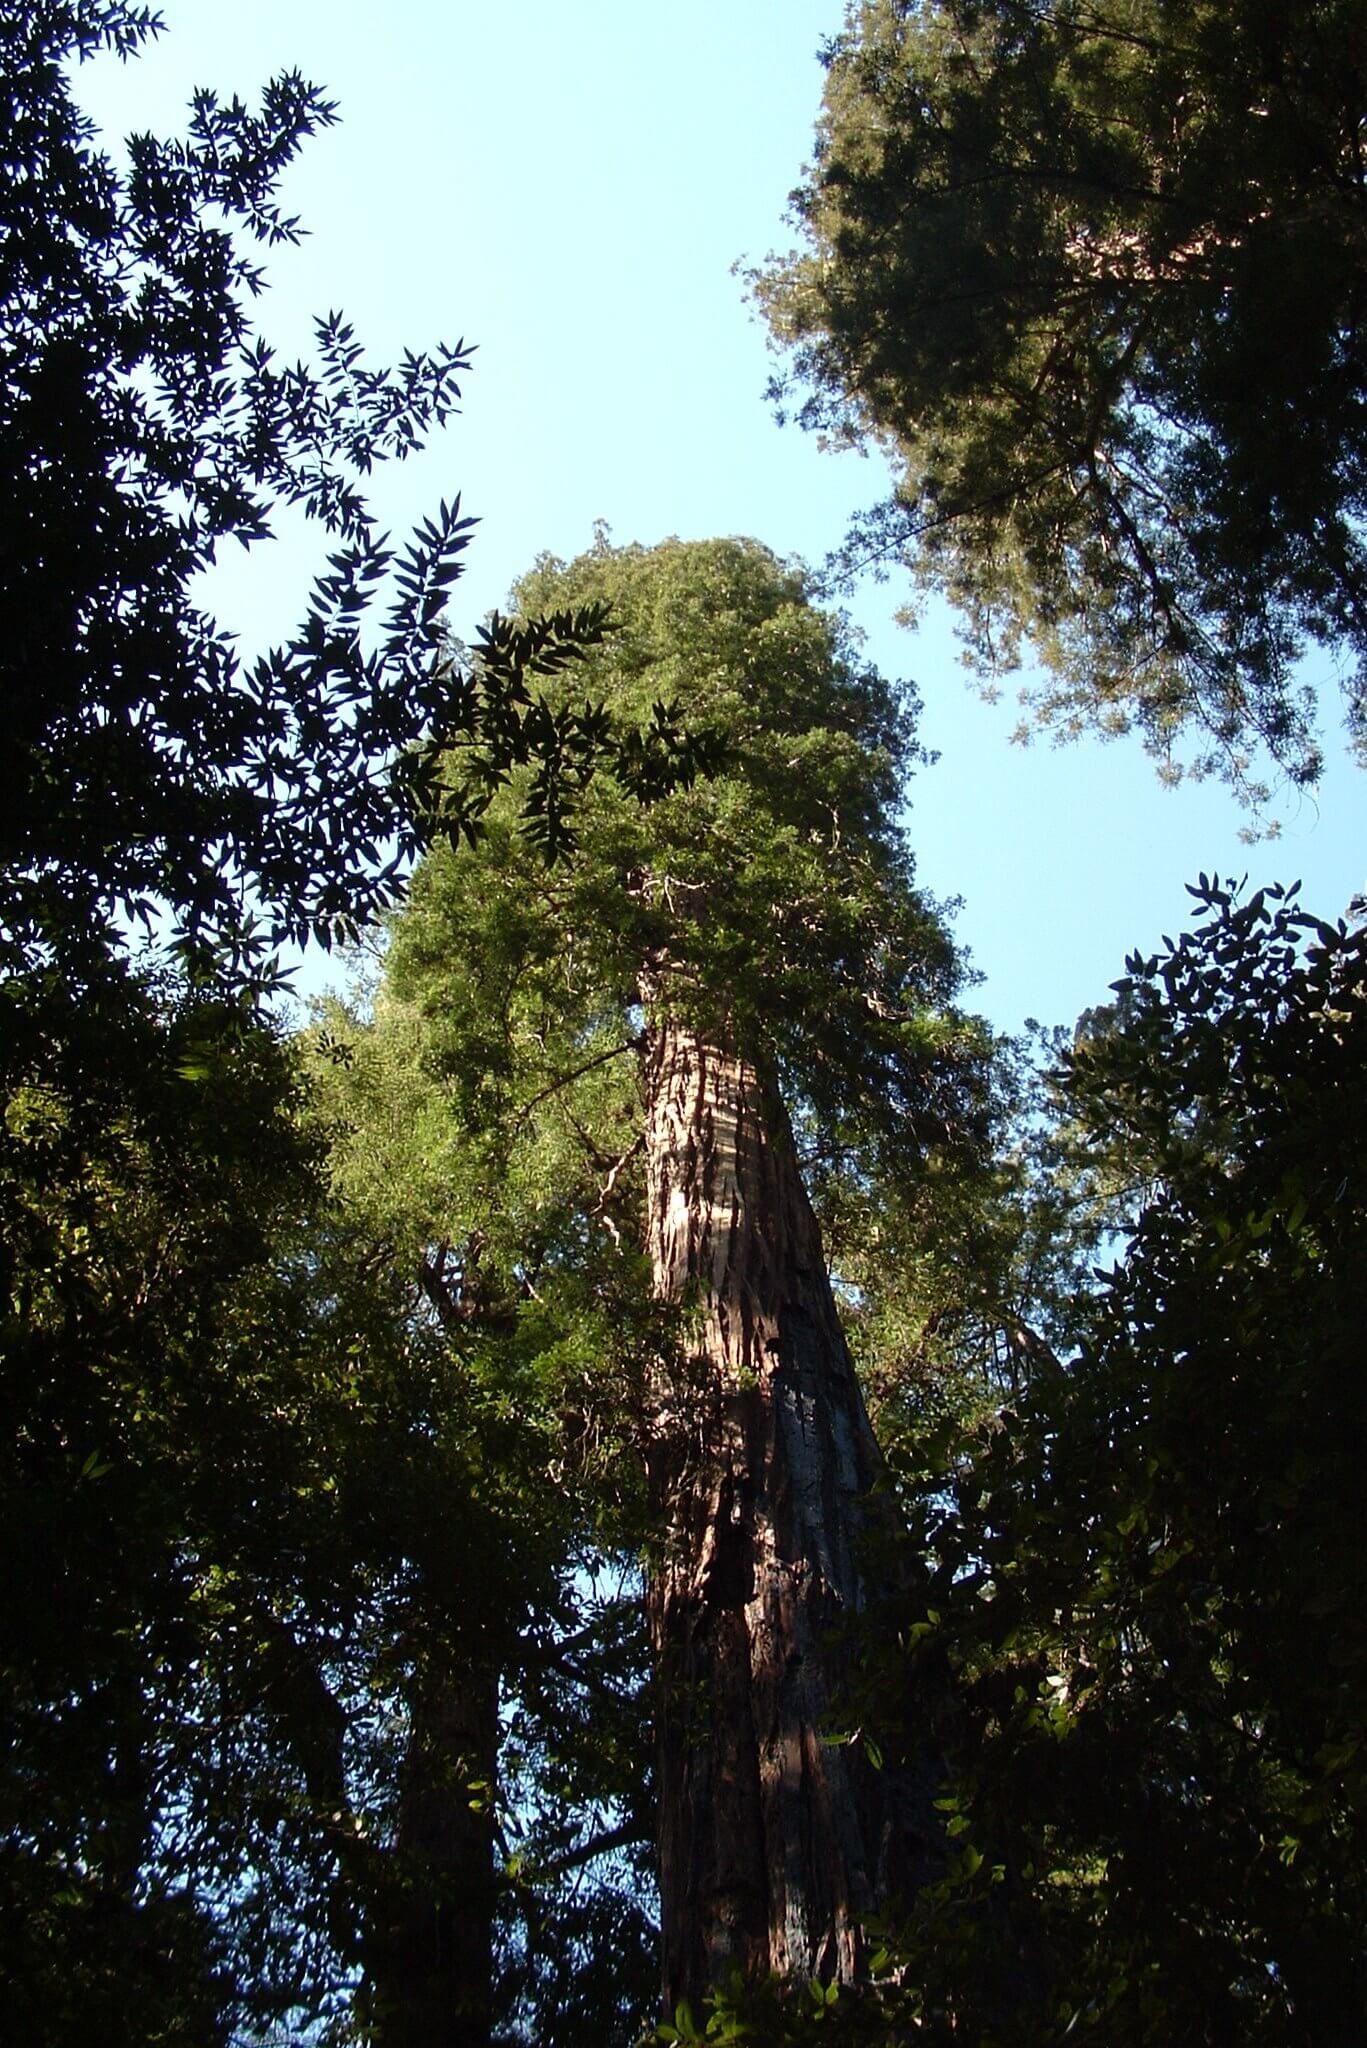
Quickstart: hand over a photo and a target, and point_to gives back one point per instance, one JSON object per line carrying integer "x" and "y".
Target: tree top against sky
{"x": 774, "y": 893}
{"x": 1092, "y": 274}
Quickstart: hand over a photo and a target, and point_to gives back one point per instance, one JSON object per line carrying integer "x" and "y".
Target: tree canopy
{"x": 1090, "y": 272}
{"x": 1148, "y": 1575}
{"x": 775, "y": 888}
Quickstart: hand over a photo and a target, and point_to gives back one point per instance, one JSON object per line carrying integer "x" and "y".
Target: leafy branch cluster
{"x": 1090, "y": 273}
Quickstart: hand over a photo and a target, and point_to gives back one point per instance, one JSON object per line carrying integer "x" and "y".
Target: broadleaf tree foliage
{"x": 1090, "y": 272}
{"x": 146, "y": 426}
{"x": 243, "y": 1474}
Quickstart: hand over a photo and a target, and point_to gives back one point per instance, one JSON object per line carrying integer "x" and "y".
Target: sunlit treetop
{"x": 771, "y": 897}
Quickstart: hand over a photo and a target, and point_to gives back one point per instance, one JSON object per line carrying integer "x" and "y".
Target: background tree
{"x": 1090, "y": 272}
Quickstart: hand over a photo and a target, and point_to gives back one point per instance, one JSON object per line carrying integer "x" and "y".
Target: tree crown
{"x": 1092, "y": 274}
{"x": 772, "y": 897}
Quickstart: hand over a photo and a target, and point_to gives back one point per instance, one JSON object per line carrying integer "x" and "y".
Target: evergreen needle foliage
{"x": 1090, "y": 271}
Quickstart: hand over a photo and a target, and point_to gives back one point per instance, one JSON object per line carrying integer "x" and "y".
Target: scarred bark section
{"x": 773, "y": 1842}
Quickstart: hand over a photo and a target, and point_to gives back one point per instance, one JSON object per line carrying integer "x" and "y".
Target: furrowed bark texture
{"x": 774, "y": 1844}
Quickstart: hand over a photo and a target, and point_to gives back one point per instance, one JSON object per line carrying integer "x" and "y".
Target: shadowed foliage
{"x": 1091, "y": 272}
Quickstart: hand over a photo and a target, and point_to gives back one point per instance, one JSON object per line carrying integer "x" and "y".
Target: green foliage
{"x": 1090, "y": 273}
{"x": 484, "y": 1206}
{"x": 777, "y": 2015}
{"x": 245, "y": 1472}
{"x": 1149, "y": 1578}
{"x": 772, "y": 896}
{"x": 956, "y": 1278}
{"x": 774, "y": 890}
{"x": 144, "y": 425}
{"x": 221, "y": 1471}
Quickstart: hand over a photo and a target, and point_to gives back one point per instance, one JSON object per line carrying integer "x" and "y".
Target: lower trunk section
{"x": 774, "y": 1843}
{"x": 430, "y": 1958}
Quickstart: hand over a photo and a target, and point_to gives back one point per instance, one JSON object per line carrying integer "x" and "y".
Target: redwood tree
{"x": 1090, "y": 274}
{"x": 712, "y": 994}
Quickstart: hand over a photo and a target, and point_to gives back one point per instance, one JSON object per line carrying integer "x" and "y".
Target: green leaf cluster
{"x": 1147, "y": 1580}
{"x": 1090, "y": 273}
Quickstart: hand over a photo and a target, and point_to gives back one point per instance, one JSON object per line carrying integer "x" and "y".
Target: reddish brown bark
{"x": 774, "y": 1843}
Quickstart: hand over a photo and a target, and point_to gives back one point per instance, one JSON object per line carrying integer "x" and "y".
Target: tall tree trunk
{"x": 774, "y": 1843}
{"x": 430, "y": 1957}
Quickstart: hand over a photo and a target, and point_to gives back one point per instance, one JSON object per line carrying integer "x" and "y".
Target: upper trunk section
{"x": 773, "y": 1842}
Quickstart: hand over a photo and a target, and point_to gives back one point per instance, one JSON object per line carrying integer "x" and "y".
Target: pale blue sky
{"x": 569, "y": 188}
